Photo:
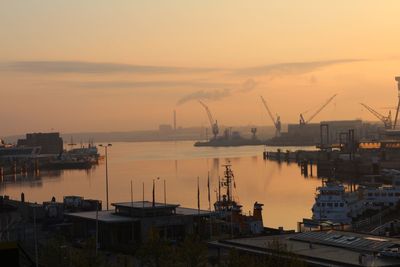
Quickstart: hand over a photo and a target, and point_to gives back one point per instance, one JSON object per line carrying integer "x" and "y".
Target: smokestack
{"x": 174, "y": 120}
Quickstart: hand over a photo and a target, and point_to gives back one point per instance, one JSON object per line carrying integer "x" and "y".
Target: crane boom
{"x": 276, "y": 122}
{"x": 387, "y": 120}
{"x": 321, "y": 108}
{"x": 210, "y": 117}
{"x": 268, "y": 110}
{"x": 214, "y": 125}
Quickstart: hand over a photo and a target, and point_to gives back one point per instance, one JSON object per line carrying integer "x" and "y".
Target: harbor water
{"x": 287, "y": 195}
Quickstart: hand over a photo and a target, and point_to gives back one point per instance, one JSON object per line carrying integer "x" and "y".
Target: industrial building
{"x": 50, "y": 143}
{"x": 310, "y": 134}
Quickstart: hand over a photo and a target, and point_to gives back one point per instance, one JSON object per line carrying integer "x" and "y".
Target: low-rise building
{"x": 135, "y": 222}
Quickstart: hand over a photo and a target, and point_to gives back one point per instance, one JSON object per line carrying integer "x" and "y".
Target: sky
{"x": 97, "y": 65}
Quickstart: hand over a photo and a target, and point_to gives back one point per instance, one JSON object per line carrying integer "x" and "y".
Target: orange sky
{"x": 115, "y": 66}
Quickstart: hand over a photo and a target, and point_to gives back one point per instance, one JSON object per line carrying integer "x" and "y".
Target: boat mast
{"x": 228, "y": 177}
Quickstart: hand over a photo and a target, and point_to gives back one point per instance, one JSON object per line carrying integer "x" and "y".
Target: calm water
{"x": 286, "y": 194}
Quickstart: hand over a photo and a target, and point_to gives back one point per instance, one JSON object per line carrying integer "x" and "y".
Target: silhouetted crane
{"x": 303, "y": 121}
{"x": 276, "y": 121}
{"x": 387, "y": 120}
{"x": 214, "y": 125}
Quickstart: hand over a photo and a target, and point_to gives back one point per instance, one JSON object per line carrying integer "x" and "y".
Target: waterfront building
{"x": 50, "y": 143}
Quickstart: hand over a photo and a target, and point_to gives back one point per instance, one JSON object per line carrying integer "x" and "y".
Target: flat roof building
{"x": 135, "y": 222}
{"x": 321, "y": 248}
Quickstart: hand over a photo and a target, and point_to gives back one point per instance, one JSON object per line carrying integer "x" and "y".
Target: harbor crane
{"x": 276, "y": 121}
{"x": 387, "y": 120}
{"x": 214, "y": 125}
{"x": 303, "y": 121}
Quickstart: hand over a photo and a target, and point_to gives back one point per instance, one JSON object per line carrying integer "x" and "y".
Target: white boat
{"x": 333, "y": 203}
{"x": 377, "y": 197}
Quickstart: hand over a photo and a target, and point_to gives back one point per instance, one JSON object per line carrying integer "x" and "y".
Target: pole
{"x": 97, "y": 228}
{"x": 154, "y": 193}
{"x": 208, "y": 188}
{"x": 209, "y": 202}
{"x": 131, "y": 193}
{"x": 232, "y": 221}
{"x": 106, "y": 175}
{"x": 165, "y": 193}
{"x": 35, "y": 236}
{"x": 143, "y": 194}
{"x": 198, "y": 194}
{"x": 219, "y": 188}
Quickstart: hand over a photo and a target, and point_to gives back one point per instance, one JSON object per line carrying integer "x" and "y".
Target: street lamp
{"x": 105, "y": 148}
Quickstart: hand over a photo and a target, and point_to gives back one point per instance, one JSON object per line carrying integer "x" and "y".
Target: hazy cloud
{"x": 205, "y": 95}
{"x": 146, "y": 84}
{"x": 82, "y": 67}
{"x": 248, "y": 85}
{"x": 290, "y": 68}
{"x": 219, "y": 90}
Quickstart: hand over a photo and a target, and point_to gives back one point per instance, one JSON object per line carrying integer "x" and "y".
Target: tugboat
{"x": 333, "y": 203}
{"x": 230, "y": 211}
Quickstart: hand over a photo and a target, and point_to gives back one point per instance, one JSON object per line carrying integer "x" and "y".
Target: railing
{"x": 371, "y": 220}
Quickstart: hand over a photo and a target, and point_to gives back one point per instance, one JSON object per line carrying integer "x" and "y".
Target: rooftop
{"x": 106, "y": 216}
{"x": 145, "y": 205}
{"x": 190, "y": 211}
{"x": 329, "y": 248}
{"x": 118, "y": 216}
{"x": 354, "y": 241}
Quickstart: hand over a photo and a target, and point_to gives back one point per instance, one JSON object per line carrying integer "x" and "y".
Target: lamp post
{"x": 105, "y": 148}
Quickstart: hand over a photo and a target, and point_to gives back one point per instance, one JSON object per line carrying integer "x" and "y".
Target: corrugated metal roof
{"x": 346, "y": 240}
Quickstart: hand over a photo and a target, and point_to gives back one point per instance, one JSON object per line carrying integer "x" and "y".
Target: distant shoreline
{"x": 180, "y": 134}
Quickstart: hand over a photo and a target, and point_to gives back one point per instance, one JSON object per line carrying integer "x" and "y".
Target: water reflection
{"x": 287, "y": 196}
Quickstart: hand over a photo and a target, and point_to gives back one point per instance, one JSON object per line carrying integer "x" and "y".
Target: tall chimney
{"x": 174, "y": 120}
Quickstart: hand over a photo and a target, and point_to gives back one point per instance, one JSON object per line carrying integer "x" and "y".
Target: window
{"x": 318, "y": 204}
{"x": 383, "y": 194}
{"x": 336, "y": 204}
{"x": 370, "y": 194}
{"x": 397, "y": 194}
{"x": 323, "y": 204}
{"x": 329, "y": 204}
{"x": 377, "y": 194}
{"x": 341, "y": 204}
{"x": 390, "y": 194}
